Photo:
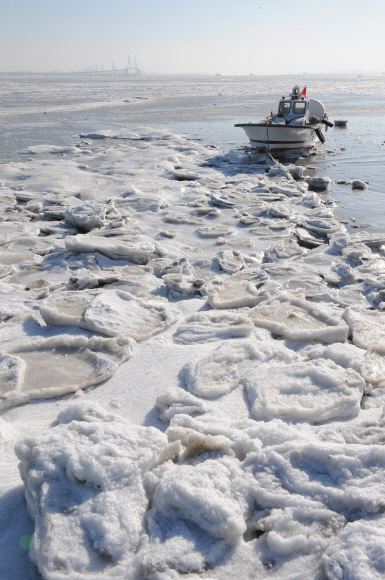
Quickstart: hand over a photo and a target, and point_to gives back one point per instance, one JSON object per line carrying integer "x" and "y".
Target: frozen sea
{"x": 53, "y": 110}
{"x": 192, "y": 343}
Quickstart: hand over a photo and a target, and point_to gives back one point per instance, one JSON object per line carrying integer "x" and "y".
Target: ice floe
{"x": 299, "y": 319}
{"x": 58, "y": 365}
{"x": 210, "y": 296}
{"x": 367, "y": 327}
{"x": 314, "y": 391}
{"x": 212, "y": 326}
{"x": 117, "y": 313}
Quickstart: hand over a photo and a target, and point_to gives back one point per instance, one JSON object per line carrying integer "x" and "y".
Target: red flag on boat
{"x": 303, "y": 93}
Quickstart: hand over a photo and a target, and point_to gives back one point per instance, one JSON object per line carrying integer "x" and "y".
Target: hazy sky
{"x": 194, "y": 36}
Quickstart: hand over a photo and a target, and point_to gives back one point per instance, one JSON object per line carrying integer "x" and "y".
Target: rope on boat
{"x": 281, "y": 167}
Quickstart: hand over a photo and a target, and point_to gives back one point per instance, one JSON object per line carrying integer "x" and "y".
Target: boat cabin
{"x": 297, "y": 109}
{"x": 293, "y": 109}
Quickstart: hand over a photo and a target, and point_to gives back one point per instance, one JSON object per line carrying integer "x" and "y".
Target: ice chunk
{"x": 213, "y": 325}
{"x": 139, "y": 253}
{"x": 230, "y": 261}
{"x": 141, "y": 203}
{"x": 59, "y": 365}
{"x": 164, "y": 266}
{"x": 373, "y": 369}
{"x": 314, "y": 391}
{"x": 180, "y": 285}
{"x": 211, "y": 211}
{"x": 224, "y": 199}
{"x": 234, "y": 294}
{"x": 358, "y": 184}
{"x": 84, "y": 488}
{"x": 177, "y": 401}
{"x": 367, "y": 326}
{"x": 208, "y": 494}
{"x": 323, "y": 227}
{"x": 13, "y": 302}
{"x": 339, "y": 274}
{"x": 170, "y": 234}
{"x": 86, "y": 216}
{"x": 198, "y": 515}
{"x": 318, "y": 183}
{"x": 66, "y": 308}
{"x": 215, "y": 232}
{"x": 12, "y": 371}
{"x": 242, "y": 242}
{"x": 315, "y": 468}
{"x": 13, "y": 230}
{"x": 217, "y": 373}
{"x": 117, "y": 313}
{"x": 298, "y": 319}
{"x": 359, "y": 552}
{"x": 309, "y": 286}
{"x": 357, "y": 252}
{"x": 344, "y": 354}
{"x": 295, "y": 530}
{"x": 279, "y": 210}
{"x": 343, "y": 298}
{"x": 48, "y": 149}
{"x": 307, "y": 239}
{"x": 286, "y": 249}
{"x": 173, "y": 218}
{"x": 373, "y": 240}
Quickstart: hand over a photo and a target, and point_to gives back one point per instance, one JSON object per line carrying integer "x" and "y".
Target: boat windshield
{"x": 299, "y": 108}
{"x": 284, "y": 107}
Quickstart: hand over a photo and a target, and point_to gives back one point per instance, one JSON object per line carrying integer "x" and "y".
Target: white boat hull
{"x": 280, "y": 137}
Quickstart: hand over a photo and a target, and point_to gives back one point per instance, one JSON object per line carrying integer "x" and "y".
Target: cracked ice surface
{"x": 192, "y": 366}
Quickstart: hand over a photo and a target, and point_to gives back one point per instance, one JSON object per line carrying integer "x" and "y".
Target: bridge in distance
{"x": 121, "y": 72}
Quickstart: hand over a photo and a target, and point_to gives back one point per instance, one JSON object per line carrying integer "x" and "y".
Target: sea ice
{"x": 314, "y": 391}
{"x": 58, "y": 365}
{"x": 318, "y": 183}
{"x": 298, "y": 319}
{"x": 217, "y": 373}
{"x": 286, "y": 249}
{"x": 177, "y": 401}
{"x": 358, "y": 184}
{"x": 85, "y": 480}
{"x": 230, "y": 261}
{"x": 173, "y": 218}
{"x": 367, "y": 326}
{"x": 233, "y": 294}
{"x": 359, "y": 552}
{"x": 357, "y": 252}
{"x": 322, "y": 227}
{"x": 215, "y": 231}
{"x": 117, "y": 313}
{"x": 343, "y": 354}
{"x": 339, "y": 274}
{"x": 373, "y": 369}
{"x": 180, "y": 285}
{"x": 116, "y": 249}
{"x": 212, "y": 325}
{"x": 251, "y": 478}
{"x": 307, "y": 239}
{"x": 86, "y": 217}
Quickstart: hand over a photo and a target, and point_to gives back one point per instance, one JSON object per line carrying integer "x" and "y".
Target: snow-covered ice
{"x": 192, "y": 366}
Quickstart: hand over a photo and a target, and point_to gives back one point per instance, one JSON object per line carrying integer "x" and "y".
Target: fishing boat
{"x": 297, "y": 125}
